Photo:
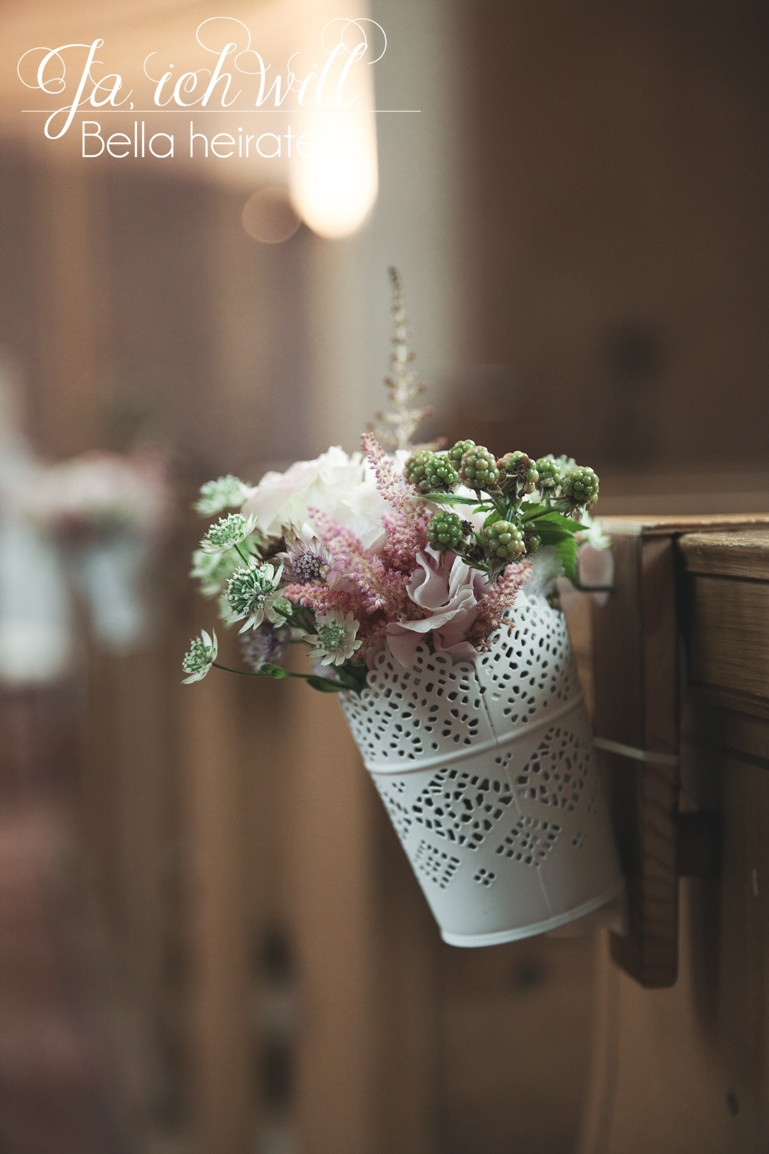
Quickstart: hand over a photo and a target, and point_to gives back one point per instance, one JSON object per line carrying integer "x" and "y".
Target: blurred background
{"x": 209, "y": 943}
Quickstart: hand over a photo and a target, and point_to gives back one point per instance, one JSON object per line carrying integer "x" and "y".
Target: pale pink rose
{"x": 337, "y": 484}
{"x": 450, "y": 591}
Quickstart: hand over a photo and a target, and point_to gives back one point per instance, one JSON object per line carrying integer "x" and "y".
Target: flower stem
{"x": 240, "y": 672}
{"x": 317, "y": 682}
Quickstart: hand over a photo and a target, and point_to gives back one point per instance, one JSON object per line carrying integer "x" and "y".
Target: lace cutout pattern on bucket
{"x": 461, "y": 807}
{"x": 596, "y": 807}
{"x": 525, "y": 679}
{"x": 486, "y": 772}
{"x": 530, "y": 841}
{"x": 438, "y": 706}
{"x": 412, "y": 713}
{"x": 557, "y": 770}
{"x": 435, "y": 865}
{"x": 390, "y": 793}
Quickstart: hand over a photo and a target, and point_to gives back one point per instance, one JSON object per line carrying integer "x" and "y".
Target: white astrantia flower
{"x": 200, "y": 656}
{"x": 252, "y": 592}
{"x": 213, "y": 570}
{"x": 228, "y": 532}
{"x": 224, "y": 493}
{"x": 335, "y": 640}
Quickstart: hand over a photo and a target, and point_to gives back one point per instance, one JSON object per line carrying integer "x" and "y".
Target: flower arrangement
{"x": 104, "y": 513}
{"x": 392, "y": 547}
{"x": 99, "y": 494}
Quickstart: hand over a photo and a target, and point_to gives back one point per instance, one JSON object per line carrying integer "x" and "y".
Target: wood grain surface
{"x": 685, "y": 1070}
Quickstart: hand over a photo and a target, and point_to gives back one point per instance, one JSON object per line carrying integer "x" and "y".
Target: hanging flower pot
{"x": 105, "y": 513}
{"x": 487, "y": 773}
{"x": 414, "y": 579}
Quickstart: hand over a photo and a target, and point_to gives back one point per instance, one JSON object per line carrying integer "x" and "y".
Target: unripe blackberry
{"x": 504, "y": 540}
{"x": 580, "y": 486}
{"x": 414, "y": 469}
{"x": 445, "y": 531}
{"x": 519, "y": 473}
{"x": 478, "y": 469}
{"x": 430, "y": 472}
{"x": 457, "y": 451}
{"x": 549, "y": 473}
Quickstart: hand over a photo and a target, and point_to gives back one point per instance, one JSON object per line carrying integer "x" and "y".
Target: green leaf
{"x": 348, "y": 681}
{"x": 566, "y": 549}
{"x": 551, "y": 517}
{"x": 550, "y": 536}
{"x": 449, "y": 499}
{"x": 530, "y": 511}
{"x": 325, "y": 685}
{"x": 493, "y": 516}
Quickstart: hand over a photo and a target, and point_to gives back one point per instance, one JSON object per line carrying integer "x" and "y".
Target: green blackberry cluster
{"x": 550, "y": 472}
{"x": 478, "y": 468}
{"x": 580, "y": 487}
{"x": 458, "y": 450}
{"x": 518, "y": 473}
{"x": 504, "y": 541}
{"x": 446, "y": 531}
{"x": 524, "y": 504}
{"x": 430, "y": 472}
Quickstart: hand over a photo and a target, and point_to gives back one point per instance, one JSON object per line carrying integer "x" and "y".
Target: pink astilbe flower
{"x": 496, "y": 601}
{"x": 394, "y": 487}
{"x": 321, "y": 599}
{"x": 376, "y": 585}
{"x": 405, "y": 521}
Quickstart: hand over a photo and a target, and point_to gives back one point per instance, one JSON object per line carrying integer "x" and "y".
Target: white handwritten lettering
{"x": 51, "y": 77}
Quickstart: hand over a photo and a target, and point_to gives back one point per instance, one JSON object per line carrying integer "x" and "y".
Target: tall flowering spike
{"x": 396, "y": 427}
{"x": 406, "y": 520}
{"x": 498, "y": 600}
{"x": 321, "y": 599}
{"x": 399, "y": 493}
{"x": 378, "y": 586}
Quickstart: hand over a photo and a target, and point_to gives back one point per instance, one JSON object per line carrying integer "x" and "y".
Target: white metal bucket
{"x": 486, "y": 770}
